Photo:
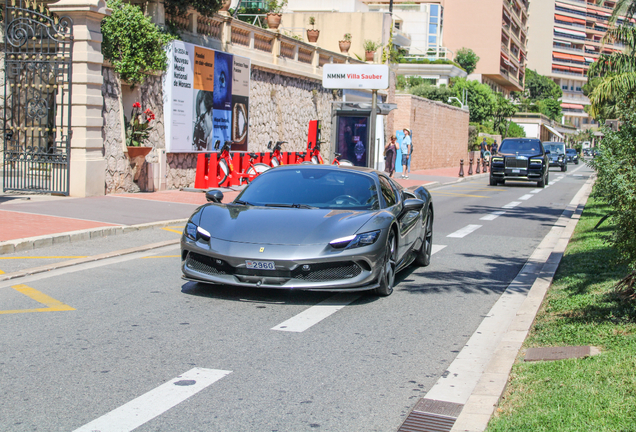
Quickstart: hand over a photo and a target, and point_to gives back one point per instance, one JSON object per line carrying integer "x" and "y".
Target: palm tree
{"x": 618, "y": 69}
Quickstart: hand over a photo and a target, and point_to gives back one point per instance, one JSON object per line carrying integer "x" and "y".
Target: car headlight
{"x": 354, "y": 241}
{"x": 536, "y": 160}
{"x": 497, "y": 159}
{"x": 194, "y": 232}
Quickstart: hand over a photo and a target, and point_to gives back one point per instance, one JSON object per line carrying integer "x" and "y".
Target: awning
{"x": 553, "y": 131}
{"x": 590, "y": 47}
{"x": 569, "y": 19}
{"x": 571, "y": 32}
{"x": 573, "y": 69}
{"x": 562, "y": 41}
{"x": 569, "y": 6}
{"x": 572, "y": 106}
{"x": 561, "y": 56}
{"x": 589, "y": 59}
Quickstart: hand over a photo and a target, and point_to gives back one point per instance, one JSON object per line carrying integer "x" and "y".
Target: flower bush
{"x": 138, "y": 128}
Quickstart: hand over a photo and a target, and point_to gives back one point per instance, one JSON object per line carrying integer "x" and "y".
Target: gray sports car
{"x": 310, "y": 227}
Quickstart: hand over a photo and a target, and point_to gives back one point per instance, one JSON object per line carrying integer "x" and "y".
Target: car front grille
{"x": 512, "y": 162}
{"x": 322, "y": 272}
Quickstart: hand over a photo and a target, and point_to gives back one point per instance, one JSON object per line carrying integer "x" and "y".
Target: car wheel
{"x": 564, "y": 167}
{"x": 387, "y": 278}
{"x": 547, "y": 178}
{"x": 502, "y": 182}
{"x": 541, "y": 183}
{"x": 493, "y": 181}
{"x": 423, "y": 257}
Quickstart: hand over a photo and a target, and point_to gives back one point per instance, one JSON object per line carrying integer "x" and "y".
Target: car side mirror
{"x": 214, "y": 196}
{"x": 412, "y": 204}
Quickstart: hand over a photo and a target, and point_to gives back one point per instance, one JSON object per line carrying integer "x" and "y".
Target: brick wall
{"x": 440, "y": 131}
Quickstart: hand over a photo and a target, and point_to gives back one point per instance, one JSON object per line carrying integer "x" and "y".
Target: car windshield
{"x": 555, "y": 148}
{"x": 519, "y": 146}
{"x": 570, "y": 151}
{"x": 312, "y": 188}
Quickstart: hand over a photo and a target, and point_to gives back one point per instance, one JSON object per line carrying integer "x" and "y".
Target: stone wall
{"x": 281, "y": 107}
{"x": 440, "y": 131}
{"x": 119, "y": 173}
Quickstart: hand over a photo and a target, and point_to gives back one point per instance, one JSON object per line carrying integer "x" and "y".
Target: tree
{"x": 541, "y": 95}
{"x": 502, "y": 109}
{"x": 481, "y": 98}
{"x": 432, "y": 92}
{"x": 204, "y": 7}
{"x": 467, "y": 59}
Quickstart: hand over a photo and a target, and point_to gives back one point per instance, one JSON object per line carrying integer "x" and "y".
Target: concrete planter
{"x": 344, "y": 46}
{"x": 273, "y": 20}
{"x": 312, "y": 35}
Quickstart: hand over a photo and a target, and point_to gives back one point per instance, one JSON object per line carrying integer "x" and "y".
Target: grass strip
{"x": 597, "y": 393}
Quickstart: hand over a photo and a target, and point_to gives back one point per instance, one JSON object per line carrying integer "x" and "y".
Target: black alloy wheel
{"x": 423, "y": 257}
{"x": 387, "y": 278}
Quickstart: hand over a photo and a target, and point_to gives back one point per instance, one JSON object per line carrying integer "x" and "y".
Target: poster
{"x": 352, "y": 139}
{"x": 206, "y": 99}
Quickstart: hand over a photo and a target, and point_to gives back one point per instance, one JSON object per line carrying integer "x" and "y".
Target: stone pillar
{"x": 87, "y": 164}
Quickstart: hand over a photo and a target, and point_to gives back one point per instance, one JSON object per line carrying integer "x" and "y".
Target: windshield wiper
{"x": 302, "y": 206}
{"x": 239, "y": 202}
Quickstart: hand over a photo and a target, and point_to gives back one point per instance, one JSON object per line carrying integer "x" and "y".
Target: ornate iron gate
{"x": 37, "y": 114}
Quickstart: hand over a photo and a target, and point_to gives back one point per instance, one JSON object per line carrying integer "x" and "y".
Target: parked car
{"x": 572, "y": 156}
{"x": 520, "y": 159}
{"x": 557, "y": 154}
{"x": 310, "y": 227}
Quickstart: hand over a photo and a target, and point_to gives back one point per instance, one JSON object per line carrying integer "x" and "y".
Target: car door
{"x": 409, "y": 225}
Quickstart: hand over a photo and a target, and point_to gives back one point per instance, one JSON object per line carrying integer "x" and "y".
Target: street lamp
{"x": 464, "y": 101}
{"x": 457, "y": 99}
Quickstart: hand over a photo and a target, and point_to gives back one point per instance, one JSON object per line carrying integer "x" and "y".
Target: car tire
{"x": 541, "y": 183}
{"x": 493, "y": 181}
{"x": 423, "y": 257}
{"x": 387, "y": 277}
{"x": 547, "y": 178}
{"x": 501, "y": 182}
{"x": 564, "y": 167}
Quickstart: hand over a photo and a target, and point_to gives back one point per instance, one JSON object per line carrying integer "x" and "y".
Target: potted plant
{"x": 275, "y": 13}
{"x": 370, "y": 47}
{"x": 137, "y": 131}
{"x": 345, "y": 43}
{"x": 312, "y": 33}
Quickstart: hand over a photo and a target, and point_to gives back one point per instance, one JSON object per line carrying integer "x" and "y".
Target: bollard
{"x": 485, "y": 170}
{"x": 470, "y": 167}
{"x": 461, "y": 167}
{"x": 477, "y": 171}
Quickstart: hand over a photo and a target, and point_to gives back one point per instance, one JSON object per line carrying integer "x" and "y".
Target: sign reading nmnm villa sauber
{"x": 349, "y": 76}
{"x": 205, "y": 98}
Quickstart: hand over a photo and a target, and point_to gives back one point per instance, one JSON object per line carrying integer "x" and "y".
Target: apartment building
{"x": 564, "y": 39}
{"x": 497, "y": 31}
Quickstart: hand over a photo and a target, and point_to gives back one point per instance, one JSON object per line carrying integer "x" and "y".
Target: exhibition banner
{"x": 205, "y": 99}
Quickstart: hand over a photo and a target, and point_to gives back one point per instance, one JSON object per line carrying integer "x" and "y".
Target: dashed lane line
{"x": 512, "y": 205}
{"x": 437, "y": 192}
{"x": 464, "y": 231}
{"x": 526, "y": 197}
{"x": 312, "y": 316}
{"x": 492, "y": 216}
{"x": 154, "y": 403}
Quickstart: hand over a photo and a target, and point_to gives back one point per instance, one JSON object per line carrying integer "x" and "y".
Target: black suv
{"x": 520, "y": 159}
{"x": 572, "y": 156}
{"x": 557, "y": 154}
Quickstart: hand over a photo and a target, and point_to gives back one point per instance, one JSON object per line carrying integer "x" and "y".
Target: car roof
{"x": 321, "y": 167}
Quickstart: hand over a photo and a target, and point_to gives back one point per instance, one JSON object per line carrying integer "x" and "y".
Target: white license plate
{"x": 516, "y": 171}
{"x": 260, "y": 265}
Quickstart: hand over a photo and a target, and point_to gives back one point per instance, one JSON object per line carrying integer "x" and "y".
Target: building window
{"x": 434, "y": 10}
{"x": 564, "y": 87}
{"x": 432, "y": 29}
{"x": 432, "y": 40}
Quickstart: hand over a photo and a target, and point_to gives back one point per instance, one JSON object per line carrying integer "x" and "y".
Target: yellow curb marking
{"x": 52, "y": 304}
{"x": 458, "y": 194}
{"x": 174, "y": 230}
{"x": 1, "y": 272}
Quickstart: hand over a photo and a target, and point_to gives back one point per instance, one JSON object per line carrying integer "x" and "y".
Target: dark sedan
{"x": 520, "y": 159}
{"x": 310, "y": 227}
{"x": 557, "y": 154}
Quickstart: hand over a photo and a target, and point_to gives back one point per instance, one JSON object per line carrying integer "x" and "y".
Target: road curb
{"x": 30, "y": 243}
{"x": 93, "y": 258}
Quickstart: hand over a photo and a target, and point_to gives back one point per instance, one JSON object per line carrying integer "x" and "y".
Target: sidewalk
{"x": 32, "y": 221}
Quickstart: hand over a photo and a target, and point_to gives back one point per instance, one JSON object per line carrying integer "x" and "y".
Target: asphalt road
{"x": 128, "y": 339}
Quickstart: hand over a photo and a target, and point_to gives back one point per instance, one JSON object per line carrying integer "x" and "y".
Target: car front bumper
{"x": 520, "y": 170}
{"x": 304, "y": 267}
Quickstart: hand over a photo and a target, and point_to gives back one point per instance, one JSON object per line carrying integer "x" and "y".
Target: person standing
{"x": 407, "y": 149}
{"x": 390, "y": 150}
{"x": 483, "y": 147}
{"x": 494, "y": 147}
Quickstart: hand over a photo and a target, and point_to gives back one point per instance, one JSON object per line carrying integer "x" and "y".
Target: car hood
{"x": 516, "y": 154}
{"x": 288, "y": 226}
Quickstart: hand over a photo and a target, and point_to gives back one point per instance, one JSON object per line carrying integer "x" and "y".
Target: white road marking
{"x": 526, "y": 197}
{"x": 492, "y": 216}
{"x": 317, "y": 313}
{"x": 534, "y": 191}
{"x": 464, "y": 231}
{"x": 324, "y": 309}
{"x": 512, "y": 204}
{"x": 157, "y": 401}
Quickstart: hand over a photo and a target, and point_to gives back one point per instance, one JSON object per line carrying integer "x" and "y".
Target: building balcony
{"x": 570, "y": 48}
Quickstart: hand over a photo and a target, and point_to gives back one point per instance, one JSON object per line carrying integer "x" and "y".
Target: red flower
{"x": 136, "y": 105}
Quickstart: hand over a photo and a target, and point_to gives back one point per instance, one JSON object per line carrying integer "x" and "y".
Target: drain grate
{"x": 559, "y": 353}
{"x": 430, "y": 415}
